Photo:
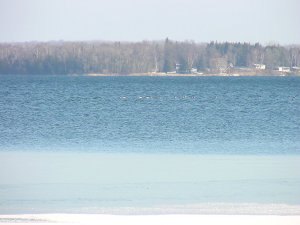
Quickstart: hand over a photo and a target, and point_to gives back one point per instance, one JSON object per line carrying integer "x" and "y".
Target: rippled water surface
{"x": 256, "y": 115}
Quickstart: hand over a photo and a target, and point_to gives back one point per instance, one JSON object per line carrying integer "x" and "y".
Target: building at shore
{"x": 259, "y": 66}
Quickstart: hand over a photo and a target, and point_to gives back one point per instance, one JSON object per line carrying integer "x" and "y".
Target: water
{"x": 149, "y": 144}
{"x": 214, "y": 115}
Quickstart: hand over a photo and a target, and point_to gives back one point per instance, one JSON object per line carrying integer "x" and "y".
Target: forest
{"x": 102, "y": 57}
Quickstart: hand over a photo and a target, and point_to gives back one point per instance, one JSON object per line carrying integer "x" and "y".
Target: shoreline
{"x": 242, "y": 74}
{"x": 90, "y": 219}
{"x": 200, "y": 209}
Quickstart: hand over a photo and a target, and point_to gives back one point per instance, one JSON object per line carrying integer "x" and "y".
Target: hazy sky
{"x": 134, "y": 20}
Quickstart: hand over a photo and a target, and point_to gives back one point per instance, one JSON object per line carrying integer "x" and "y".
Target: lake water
{"x": 149, "y": 144}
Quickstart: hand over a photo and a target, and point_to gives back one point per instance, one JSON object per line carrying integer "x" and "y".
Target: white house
{"x": 260, "y": 66}
{"x": 284, "y": 69}
{"x": 194, "y": 71}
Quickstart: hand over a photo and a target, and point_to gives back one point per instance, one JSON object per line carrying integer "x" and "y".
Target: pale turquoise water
{"x": 99, "y": 144}
{"x": 91, "y": 183}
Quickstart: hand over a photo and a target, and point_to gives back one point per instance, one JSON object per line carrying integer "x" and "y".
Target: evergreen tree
{"x": 168, "y": 64}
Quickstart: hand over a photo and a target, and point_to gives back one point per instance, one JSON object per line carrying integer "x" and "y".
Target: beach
{"x": 90, "y": 219}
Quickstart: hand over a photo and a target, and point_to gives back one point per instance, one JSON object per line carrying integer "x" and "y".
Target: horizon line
{"x": 270, "y": 43}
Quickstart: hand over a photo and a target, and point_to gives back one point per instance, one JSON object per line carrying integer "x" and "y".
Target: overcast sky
{"x": 265, "y": 21}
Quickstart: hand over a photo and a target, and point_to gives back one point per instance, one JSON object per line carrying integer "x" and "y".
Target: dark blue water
{"x": 212, "y": 115}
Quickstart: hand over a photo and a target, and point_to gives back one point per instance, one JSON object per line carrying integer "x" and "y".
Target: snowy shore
{"x": 90, "y": 219}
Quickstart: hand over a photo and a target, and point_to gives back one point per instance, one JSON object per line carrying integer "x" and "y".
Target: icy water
{"x": 149, "y": 144}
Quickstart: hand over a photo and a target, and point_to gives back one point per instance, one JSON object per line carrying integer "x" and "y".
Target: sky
{"x": 264, "y": 21}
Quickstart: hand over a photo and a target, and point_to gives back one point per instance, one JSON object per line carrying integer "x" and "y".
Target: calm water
{"x": 149, "y": 144}
{"x": 226, "y": 115}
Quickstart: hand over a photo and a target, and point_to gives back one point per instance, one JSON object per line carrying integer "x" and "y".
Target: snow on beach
{"x": 91, "y": 219}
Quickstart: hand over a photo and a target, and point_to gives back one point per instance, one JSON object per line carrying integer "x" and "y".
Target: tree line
{"x": 139, "y": 57}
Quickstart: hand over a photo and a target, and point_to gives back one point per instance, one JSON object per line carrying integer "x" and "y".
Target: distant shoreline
{"x": 151, "y": 58}
{"x": 249, "y": 74}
